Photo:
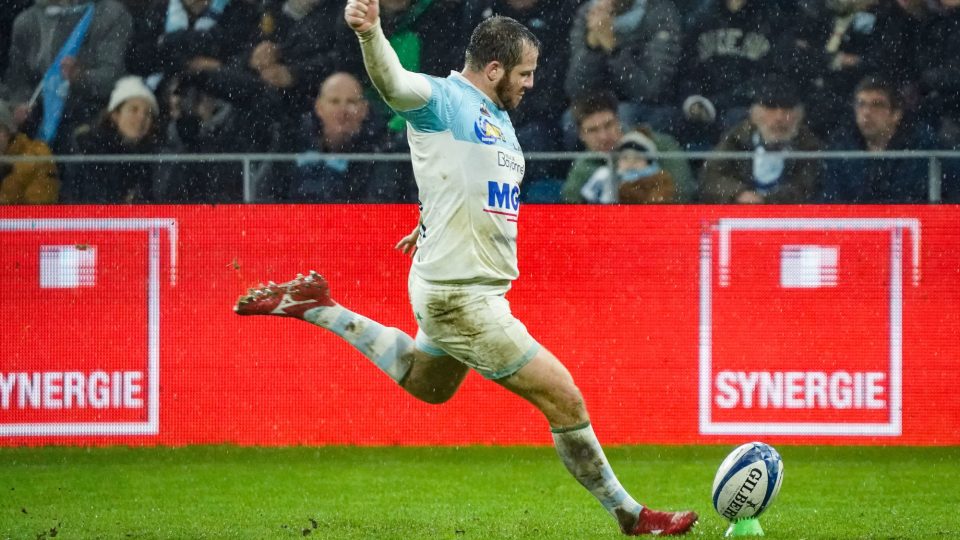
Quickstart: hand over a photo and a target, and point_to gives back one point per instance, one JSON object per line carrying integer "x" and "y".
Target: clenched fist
{"x": 362, "y": 15}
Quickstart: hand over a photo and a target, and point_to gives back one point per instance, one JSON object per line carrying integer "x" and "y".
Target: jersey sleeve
{"x": 440, "y": 110}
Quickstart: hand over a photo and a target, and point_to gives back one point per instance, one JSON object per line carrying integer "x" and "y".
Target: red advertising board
{"x": 680, "y": 324}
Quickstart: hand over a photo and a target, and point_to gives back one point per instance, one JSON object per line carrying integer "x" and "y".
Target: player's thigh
{"x": 472, "y": 323}
{"x": 547, "y": 384}
{"x": 437, "y": 376}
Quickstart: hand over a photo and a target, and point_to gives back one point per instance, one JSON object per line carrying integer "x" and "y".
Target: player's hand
{"x": 408, "y": 244}
{"x": 362, "y": 15}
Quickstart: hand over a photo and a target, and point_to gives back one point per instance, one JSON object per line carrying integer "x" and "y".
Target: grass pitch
{"x": 454, "y": 493}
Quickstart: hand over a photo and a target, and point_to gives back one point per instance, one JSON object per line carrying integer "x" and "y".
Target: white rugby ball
{"x": 747, "y": 481}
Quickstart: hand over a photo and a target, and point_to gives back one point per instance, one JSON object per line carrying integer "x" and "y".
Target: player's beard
{"x": 507, "y": 93}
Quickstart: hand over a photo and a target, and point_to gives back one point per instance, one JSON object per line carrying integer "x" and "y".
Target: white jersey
{"x": 468, "y": 167}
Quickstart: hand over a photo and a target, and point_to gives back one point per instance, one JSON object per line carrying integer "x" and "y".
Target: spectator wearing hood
{"x": 25, "y": 182}
{"x": 775, "y": 124}
{"x": 38, "y": 35}
{"x": 127, "y": 126}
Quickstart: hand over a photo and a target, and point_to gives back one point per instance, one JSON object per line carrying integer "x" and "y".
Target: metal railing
{"x": 934, "y": 160}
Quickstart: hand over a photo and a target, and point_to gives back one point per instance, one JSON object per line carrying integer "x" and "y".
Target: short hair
{"x": 499, "y": 39}
{"x": 593, "y": 102}
{"x": 875, "y": 83}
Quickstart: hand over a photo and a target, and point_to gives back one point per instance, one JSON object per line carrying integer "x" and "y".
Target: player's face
{"x": 511, "y": 87}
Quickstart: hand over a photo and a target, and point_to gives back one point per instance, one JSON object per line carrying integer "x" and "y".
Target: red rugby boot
{"x": 662, "y": 523}
{"x": 290, "y": 299}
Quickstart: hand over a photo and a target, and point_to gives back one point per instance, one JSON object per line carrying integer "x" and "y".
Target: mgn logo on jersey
{"x": 503, "y": 199}
{"x": 487, "y": 132}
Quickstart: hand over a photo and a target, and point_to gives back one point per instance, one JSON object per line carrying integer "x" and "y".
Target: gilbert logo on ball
{"x": 747, "y": 481}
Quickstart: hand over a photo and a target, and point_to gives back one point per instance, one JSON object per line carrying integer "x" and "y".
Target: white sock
{"x": 580, "y": 451}
{"x": 389, "y": 348}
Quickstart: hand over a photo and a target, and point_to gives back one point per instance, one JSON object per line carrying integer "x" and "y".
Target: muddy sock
{"x": 580, "y": 451}
{"x": 389, "y": 348}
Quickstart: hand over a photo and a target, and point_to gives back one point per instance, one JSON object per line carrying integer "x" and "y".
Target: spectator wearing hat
{"x": 25, "y": 182}
{"x": 634, "y": 176}
{"x": 881, "y": 125}
{"x": 127, "y": 126}
{"x": 774, "y": 124}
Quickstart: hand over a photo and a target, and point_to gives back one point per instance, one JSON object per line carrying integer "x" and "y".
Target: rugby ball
{"x": 747, "y": 481}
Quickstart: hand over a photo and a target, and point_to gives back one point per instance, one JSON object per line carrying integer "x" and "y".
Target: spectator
{"x": 204, "y": 124}
{"x": 939, "y": 86}
{"x": 127, "y": 126}
{"x": 728, "y": 45}
{"x": 25, "y": 182}
{"x": 939, "y": 66}
{"x": 634, "y": 178}
{"x": 11, "y": 8}
{"x": 600, "y": 129}
{"x": 881, "y": 126}
{"x": 39, "y": 33}
{"x": 835, "y": 48}
{"x": 775, "y": 124}
{"x": 173, "y": 36}
{"x": 631, "y": 47}
{"x": 340, "y": 124}
{"x": 537, "y": 123}
{"x": 282, "y": 71}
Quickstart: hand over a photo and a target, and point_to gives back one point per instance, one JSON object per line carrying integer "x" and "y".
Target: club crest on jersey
{"x": 487, "y": 132}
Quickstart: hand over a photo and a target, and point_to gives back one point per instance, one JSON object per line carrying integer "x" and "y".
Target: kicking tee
{"x": 468, "y": 166}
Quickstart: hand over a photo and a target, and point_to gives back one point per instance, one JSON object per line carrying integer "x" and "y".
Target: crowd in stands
{"x": 623, "y": 78}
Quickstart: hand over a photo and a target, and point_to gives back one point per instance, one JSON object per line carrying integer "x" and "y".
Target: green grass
{"x": 455, "y": 493}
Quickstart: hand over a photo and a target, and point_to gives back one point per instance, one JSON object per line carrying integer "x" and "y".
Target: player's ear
{"x": 494, "y": 71}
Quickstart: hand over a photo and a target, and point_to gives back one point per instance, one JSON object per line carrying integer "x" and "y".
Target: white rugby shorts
{"x": 471, "y": 323}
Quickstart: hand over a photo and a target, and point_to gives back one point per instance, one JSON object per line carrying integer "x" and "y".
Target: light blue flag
{"x": 55, "y": 87}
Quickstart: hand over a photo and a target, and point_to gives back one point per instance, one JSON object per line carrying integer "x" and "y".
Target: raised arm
{"x": 402, "y": 90}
